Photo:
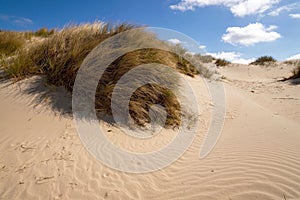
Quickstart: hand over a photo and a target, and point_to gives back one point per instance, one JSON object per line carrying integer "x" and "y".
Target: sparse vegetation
{"x": 222, "y": 62}
{"x": 197, "y": 61}
{"x": 292, "y": 62}
{"x": 296, "y": 73}
{"x": 60, "y": 55}
{"x": 13, "y": 41}
{"x": 205, "y": 58}
{"x": 44, "y": 32}
{"x": 263, "y": 60}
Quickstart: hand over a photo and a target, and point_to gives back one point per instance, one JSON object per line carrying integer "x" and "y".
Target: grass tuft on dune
{"x": 296, "y": 73}
{"x": 11, "y": 41}
{"x": 58, "y": 56}
{"x": 263, "y": 60}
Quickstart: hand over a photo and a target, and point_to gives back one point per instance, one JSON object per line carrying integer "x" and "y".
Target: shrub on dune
{"x": 222, "y": 62}
{"x": 263, "y": 60}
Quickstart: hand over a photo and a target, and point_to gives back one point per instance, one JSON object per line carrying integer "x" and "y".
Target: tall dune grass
{"x": 11, "y": 41}
{"x": 149, "y": 94}
{"x": 61, "y": 53}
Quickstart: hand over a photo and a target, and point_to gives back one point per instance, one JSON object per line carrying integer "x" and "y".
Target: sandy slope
{"x": 256, "y": 157}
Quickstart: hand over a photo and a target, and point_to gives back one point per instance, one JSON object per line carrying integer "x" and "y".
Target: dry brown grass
{"x": 11, "y": 41}
{"x": 44, "y": 32}
{"x": 60, "y": 56}
{"x": 149, "y": 94}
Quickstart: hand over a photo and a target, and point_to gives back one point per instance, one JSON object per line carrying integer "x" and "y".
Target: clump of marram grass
{"x": 195, "y": 60}
{"x": 60, "y": 55}
{"x": 43, "y": 32}
{"x": 11, "y": 41}
{"x": 146, "y": 95}
{"x": 263, "y": 60}
{"x": 222, "y": 62}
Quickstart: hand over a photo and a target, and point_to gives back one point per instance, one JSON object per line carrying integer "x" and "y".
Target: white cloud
{"x": 239, "y": 8}
{"x": 21, "y": 21}
{"x": 285, "y": 8}
{"x": 243, "y": 61}
{"x": 277, "y": 11}
{"x": 295, "y": 16}
{"x": 250, "y": 35}
{"x": 233, "y": 57}
{"x": 225, "y": 55}
{"x": 202, "y": 47}
{"x": 174, "y": 41}
{"x": 271, "y": 28}
{"x": 190, "y": 53}
{"x": 294, "y": 57}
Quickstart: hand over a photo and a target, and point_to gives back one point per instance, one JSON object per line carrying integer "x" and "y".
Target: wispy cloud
{"x": 20, "y": 21}
{"x": 232, "y": 56}
{"x": 250, "y": 35}
{"x": 239, "y": 8}
{"x": 174, "y": 41}
{"x": 202, "y": 47}
{"x": 294, "y": 57}
{"x": 284, "y": 8}
{"x": 295, "y": 16}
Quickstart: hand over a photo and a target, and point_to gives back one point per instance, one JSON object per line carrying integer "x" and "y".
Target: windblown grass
{"x": 149, "y": 94}
{"x": 11, "y": 41}
{"x": 44, "y": 32}
{"x": 60, "y": 55}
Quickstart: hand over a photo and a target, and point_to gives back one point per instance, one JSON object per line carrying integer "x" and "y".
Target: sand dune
{"x": 256, "y": 157}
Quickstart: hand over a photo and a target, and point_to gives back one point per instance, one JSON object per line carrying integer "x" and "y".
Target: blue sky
{"x": 237, "y": 30}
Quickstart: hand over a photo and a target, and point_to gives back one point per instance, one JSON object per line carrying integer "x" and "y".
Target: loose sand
{"x": 256, "y": 157}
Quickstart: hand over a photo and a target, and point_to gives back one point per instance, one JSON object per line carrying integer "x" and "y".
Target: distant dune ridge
{"x": 42, "y": 156}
